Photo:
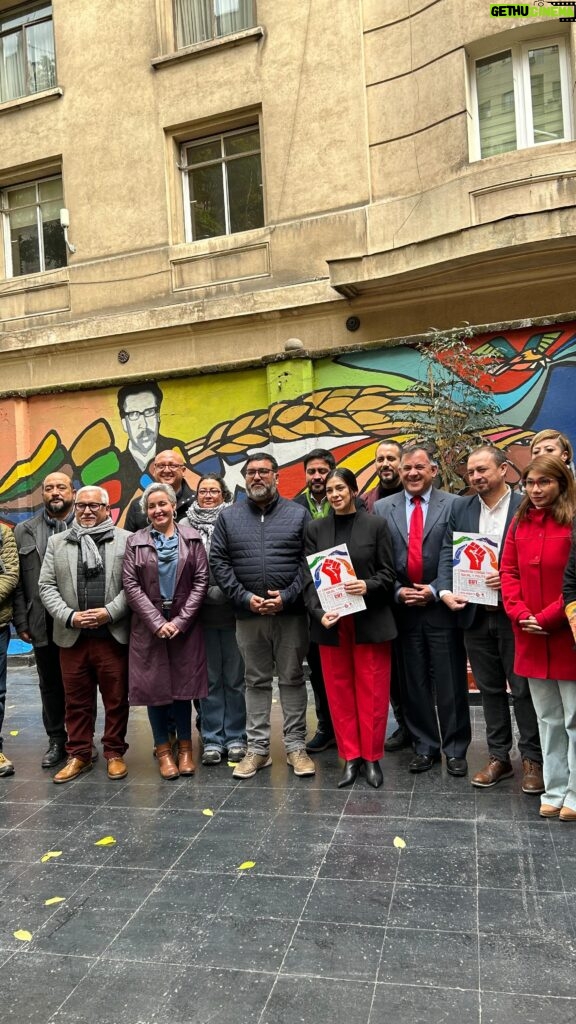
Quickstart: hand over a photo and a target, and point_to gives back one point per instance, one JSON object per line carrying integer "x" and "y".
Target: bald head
{"x": 168, "y": 468}
{"x": 58, "y": 495}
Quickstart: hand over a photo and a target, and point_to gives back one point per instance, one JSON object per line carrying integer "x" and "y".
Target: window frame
{"x": 6, "y": 13}
{"x": 524, "y": 122}
{"x": 185, "y": 169}
{"x": 5, "y": 215}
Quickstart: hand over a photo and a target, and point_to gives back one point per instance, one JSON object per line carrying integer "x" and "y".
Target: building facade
{"x": 187, "y": 185}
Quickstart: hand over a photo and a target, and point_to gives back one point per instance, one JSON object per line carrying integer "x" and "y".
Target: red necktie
{"x": 414, "y": 566}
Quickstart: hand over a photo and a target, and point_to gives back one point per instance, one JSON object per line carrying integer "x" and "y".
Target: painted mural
{"x": 109, "y": 436}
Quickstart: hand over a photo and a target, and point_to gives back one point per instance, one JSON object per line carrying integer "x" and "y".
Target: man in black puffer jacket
{"x": 255, "y": 555}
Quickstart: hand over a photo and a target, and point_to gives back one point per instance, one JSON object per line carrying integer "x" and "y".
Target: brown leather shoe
{"x": 567, "y": 814}
{"x": 549, "y": 811}
{"x": 116, "y": 768}
{"x": 186, "y": 764}
{"x": 532, "y": 778}
{"x": 166, "y": 763}
{"x": 494, "y": 772}
{"x": 74, "y": 767}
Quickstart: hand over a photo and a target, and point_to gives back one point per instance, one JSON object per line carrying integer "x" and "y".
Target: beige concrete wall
{"x": 372, "y": 204}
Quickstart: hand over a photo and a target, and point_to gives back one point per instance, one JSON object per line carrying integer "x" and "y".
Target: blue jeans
{"x": 164, "y": 717}
{"x": 4, "y": 641}
{"x": 223, "y": 711}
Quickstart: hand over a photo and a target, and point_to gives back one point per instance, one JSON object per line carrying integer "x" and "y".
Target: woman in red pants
{"x": 355, "y": 649}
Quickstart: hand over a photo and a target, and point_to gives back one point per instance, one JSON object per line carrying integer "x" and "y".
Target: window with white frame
{"x": 27, "y": 57}
{"x": 196, "y": 21}
{"x": 223, "y": 184}
{"x": 33, "y": 234}
{"x": 522, "y": 97}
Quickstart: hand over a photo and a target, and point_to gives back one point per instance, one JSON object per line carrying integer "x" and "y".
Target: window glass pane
{"x": 245, "y": 193}
{"x": 53, "y": 236}
{"x": 193, "y": 21}
{"x": 207, "y": 202}
{"x": 25, "y": 250}
{"x": 51, "y": 189}
{"x": 12, "y": 73}
{"x": 201, "y": 152}
{"x": 21, "y": 196}
{"x": 244, "y": 142}
{"x": 545, "y": 85}
{"x": 495, "y": 88}
{"x": 41, "y": 60}
{"x": 233, "y": 16}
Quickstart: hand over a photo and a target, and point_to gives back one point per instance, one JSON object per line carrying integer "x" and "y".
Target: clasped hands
{"x": 270, "y": 605}
{"x": 91, "y": 618}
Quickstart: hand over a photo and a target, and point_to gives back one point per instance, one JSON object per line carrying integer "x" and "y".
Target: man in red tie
{"x": 430, "y": 643}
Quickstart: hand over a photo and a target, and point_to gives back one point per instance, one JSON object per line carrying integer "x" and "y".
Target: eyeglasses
{"x": 538, "y": 483}
{"x": 259, "y": 472}
{"x": 145, "y": 414}
{"x": 212, "y": 491}
{"x": 92, "y": 505}
{"x": 168, "y": 465}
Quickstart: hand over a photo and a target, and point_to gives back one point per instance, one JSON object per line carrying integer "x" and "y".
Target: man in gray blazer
{"x": 81, "y": 588}
{"x": 430, "y": 645}
{"x": 487, "y": 630}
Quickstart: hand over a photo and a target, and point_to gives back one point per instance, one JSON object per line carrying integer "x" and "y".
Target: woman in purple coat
{"x": 165, "y": 580}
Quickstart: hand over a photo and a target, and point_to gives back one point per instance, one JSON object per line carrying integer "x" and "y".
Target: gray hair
{"x": 104, "y": 496}
{"x": 151, "y": 489}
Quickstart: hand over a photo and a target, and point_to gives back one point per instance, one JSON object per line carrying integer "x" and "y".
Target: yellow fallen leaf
{"x": 231, "y": 764}
{"x": 246, "y": 864}
{"x": 54, "y": 899}
{"x": 23, "y": 935}
{"x": 50, "y": 854}
{"x": 208, "y": 812}
{"x": 399, "y": 843}
{"x": 14, "y": 732}
{"x": 105, "y": 841}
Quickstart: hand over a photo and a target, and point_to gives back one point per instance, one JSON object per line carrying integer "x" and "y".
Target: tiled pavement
{"x": 472, "y": 922}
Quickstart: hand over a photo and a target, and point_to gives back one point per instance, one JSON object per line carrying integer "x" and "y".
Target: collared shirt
{"x": 410, "y": 507}
{"x": 493, "y": 520}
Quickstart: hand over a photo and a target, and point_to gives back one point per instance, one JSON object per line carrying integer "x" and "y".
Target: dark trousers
{"x": 397, "y": 689}
{"x": 95, "y": 663}
{"x": 324, "y": 727}
{"x": 51, "y": 691}
{"x": 433, "y": 664}
{"x": 167, "y": 718}
{"x": 490, "y": 646}
{"x": 4, "y": 641}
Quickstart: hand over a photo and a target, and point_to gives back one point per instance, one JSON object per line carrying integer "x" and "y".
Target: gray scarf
{"x": 204, "y": 520}
{"x": 82, "y": 535}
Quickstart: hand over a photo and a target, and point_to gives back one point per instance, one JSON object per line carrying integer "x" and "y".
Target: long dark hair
{"x": 564, "y": 508}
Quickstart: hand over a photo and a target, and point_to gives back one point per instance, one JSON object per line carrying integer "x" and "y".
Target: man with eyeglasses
{"x": 488, "y": 631}
{"x": 255, "y": 555}
{"x": 33, "y": 623}
{"x": 81, "y": 588}
{"x": 139, "y": 408}
{"x": 168, "y": 468}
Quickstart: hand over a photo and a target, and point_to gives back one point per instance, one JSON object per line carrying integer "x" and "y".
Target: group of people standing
{"x": 209, "y": 599}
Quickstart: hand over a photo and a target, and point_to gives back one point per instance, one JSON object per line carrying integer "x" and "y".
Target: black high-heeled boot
{"x": 373, "y": 773}
{"x": 350, "y": 773}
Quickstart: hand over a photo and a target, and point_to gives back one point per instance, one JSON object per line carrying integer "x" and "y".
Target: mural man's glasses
{"x": 145, "y": 414}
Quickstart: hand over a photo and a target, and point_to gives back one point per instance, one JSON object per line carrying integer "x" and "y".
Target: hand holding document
{"x": 331, "y": 570}
{"x": 474, "y": 559}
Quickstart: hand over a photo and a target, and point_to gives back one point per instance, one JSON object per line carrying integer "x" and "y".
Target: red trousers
{"x": 357, "y": 678}
{"x": 95, "y": 663}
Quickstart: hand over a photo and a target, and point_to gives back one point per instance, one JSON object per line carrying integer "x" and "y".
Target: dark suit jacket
{"x": 371, "y": 554}
{"x": 393, "y": 511}
{"x": 465, "y": 517}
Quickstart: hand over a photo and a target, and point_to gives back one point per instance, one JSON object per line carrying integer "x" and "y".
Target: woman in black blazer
{"x": 355, "y": 649}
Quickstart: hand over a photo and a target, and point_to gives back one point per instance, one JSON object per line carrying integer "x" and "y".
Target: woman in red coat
{"x": 532, "y": 570}
{"x": 165, "y": 580}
